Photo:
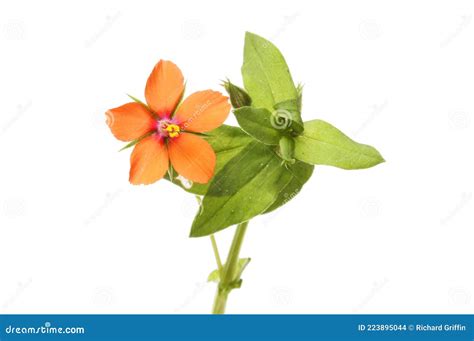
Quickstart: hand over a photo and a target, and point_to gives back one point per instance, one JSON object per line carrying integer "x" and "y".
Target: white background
{"x": 75, "y": 237}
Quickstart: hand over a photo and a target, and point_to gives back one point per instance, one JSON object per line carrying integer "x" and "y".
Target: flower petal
{"x": 192, "y": 157}
{"x": 149, "y": 161}
{"x": 130, "y": 121}
{"x": 164, "y": 88}
{"x": 203, "y": 111}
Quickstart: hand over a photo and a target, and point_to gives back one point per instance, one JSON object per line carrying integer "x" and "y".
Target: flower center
{"x": 168, "y": 129}
{"x": 173, "y": 130}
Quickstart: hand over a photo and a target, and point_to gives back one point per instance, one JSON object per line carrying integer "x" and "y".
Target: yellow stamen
{"x": 173, "y": 130}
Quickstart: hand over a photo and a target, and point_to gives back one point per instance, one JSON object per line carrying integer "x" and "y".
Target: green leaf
{"x": 246, "y": 186}
{"x": 140, "y": 102}
{"x": 227, "y": 142}
{"x": 265, "y": 73}
{"x": 243, "y": 262}
{"x": 323, "y": 144}
{"x": 214, "y": 276}
{"x": 259, "y": 124}
{"x": 301, "y": 173}
{"x": 134, "y": 142}
{"x": 288, "y": 118}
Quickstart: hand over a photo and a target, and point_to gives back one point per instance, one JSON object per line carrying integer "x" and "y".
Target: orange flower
{"x": 165, "y": 130}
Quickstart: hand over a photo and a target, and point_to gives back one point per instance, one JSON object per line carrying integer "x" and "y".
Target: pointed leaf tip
{"x": 266, "y": 76}
{"x": 324, "y": 144}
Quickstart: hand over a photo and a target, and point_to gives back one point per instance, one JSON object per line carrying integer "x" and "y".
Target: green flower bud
{"x": 238, "y": 96}
{"x": 287, "y": 149}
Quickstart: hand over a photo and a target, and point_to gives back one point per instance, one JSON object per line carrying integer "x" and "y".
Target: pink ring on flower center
{"x": 167, "y": 128}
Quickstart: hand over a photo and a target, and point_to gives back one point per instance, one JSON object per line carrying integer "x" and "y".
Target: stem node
{"x": 228, "y": 282}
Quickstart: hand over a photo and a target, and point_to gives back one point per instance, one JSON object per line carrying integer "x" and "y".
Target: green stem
{"x": 216, "y": 254}
{"x": 220, "y": 302}
{"x": 228, "y": 272}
